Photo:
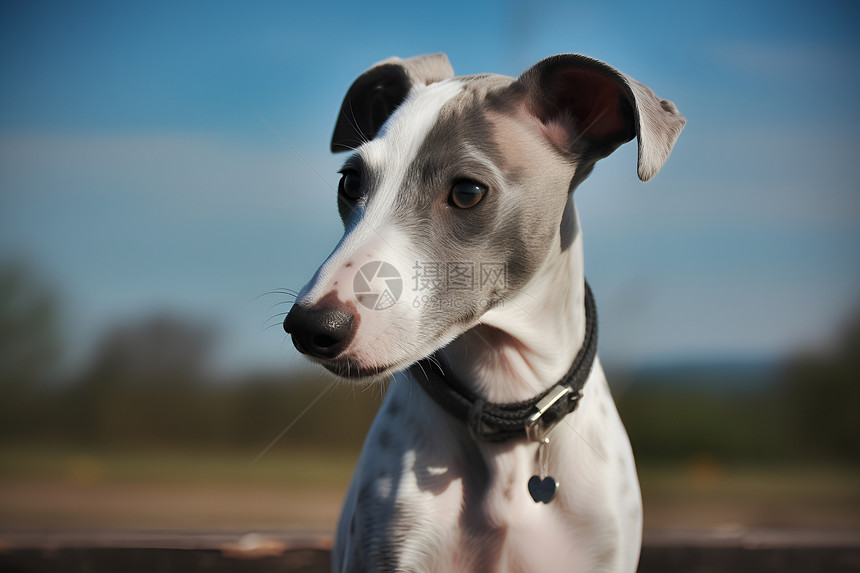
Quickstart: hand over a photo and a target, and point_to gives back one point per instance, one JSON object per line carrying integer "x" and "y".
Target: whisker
{"x": 276, "y": 318}
{"x": 273, "y": 325}
{"x": 293, "y": 423}
{"x": 353, "y": 121}
{"x": 282, "y": 302}
{"x": 270, "y": 326}
{"x": 282, "y": 291}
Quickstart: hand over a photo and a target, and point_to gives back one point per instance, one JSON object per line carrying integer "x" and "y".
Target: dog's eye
{"x": 466, "y": 194}
{"x": 350, "y": 185}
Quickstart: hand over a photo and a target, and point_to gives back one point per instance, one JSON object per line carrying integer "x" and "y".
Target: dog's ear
{"x": 590, "y": 108}
{"x": 376, "y": 93}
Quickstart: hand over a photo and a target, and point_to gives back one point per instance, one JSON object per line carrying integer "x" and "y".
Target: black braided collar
{"x": 491, "y": 422}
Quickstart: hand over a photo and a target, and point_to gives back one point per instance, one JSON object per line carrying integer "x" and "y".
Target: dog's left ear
{"x": 588, "y": 107}
{"x": 376, "y": 93}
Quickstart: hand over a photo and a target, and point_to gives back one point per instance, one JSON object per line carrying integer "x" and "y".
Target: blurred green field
{"x": 301, "y": 489}
{"x": 286, "y": 468}
{"x": 703, "y": 493}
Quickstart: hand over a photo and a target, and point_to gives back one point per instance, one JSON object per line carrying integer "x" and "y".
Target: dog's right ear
{"x": 376, "y": 93}
{"x": 590, "y": 108}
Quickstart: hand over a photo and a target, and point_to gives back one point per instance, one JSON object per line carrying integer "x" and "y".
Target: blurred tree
{"x": 157, "y": 348}
{"x": 29, "y": 343}
{"x": 143, "y": 382}
{"x": 29, "y": 338}
{"x": 823, "y": 392}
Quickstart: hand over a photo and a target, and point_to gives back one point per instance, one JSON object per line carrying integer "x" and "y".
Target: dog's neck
{"x": 526, "y": 344}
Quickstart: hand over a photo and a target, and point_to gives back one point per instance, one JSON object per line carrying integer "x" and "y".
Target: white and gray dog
{"x": 461, "y": 188}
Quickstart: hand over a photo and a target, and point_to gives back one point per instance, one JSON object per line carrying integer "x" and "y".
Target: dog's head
{"x": 453, "y": 194}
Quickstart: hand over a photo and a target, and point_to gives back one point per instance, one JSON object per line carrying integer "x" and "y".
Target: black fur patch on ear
{"x": 368, "y": 104}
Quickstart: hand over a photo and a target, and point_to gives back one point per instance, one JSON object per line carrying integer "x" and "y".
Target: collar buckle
{"x": 536, "y": 426}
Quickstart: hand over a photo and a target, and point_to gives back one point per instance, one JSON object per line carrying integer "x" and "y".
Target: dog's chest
{"x": 427, "y": 498}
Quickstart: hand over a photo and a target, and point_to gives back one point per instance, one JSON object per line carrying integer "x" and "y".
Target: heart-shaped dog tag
{"x": 542, "y": 490}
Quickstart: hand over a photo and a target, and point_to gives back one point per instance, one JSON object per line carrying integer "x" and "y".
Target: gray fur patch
{"x": 464, "y": 144}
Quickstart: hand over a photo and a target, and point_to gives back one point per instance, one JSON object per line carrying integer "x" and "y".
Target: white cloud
{"x": 174, "y": 170}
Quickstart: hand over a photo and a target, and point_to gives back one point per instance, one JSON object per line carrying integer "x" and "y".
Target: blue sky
{"x": 138, "y": 172}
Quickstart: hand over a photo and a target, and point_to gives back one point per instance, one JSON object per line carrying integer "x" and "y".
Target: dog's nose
{"x": 321, "y": 331}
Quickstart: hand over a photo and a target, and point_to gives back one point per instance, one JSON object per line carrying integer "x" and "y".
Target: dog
{"x": 498, "y": 446}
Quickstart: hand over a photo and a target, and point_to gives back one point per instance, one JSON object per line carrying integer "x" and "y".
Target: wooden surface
{"x": 832, "y": 551}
